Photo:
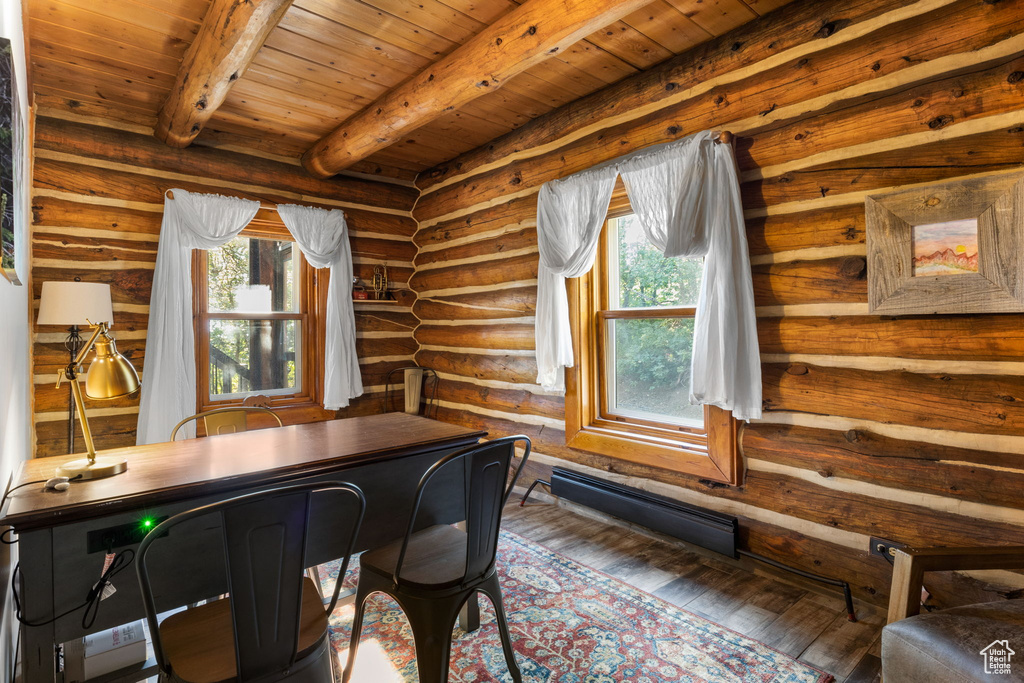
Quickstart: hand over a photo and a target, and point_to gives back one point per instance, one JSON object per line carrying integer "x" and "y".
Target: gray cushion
{"x": 945, "y": 646}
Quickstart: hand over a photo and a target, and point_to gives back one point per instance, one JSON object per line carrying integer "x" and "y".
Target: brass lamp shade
{"x": 110, "y": 375}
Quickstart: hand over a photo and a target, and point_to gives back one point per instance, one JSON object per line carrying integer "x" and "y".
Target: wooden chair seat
{"x": 436, "y": 558}
{"x": 199, "y": 642}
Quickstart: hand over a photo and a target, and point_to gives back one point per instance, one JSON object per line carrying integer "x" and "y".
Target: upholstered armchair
{"x": 959, "y": 644}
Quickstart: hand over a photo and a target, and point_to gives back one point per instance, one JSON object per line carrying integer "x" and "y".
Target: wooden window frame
{"x": 711, "y": 452}
{"x": 303, "y": 405}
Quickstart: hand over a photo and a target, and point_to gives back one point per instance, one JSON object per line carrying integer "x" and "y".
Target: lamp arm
{"x": 76, "y": 389}
{"x": 83, "y": 419}
{"x": 100, "y": 329}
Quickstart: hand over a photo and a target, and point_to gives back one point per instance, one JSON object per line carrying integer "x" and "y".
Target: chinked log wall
{"x": 909, "y": 429}
{"x": 97, "y": 206}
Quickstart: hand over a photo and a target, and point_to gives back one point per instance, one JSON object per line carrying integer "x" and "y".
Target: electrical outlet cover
{"x": 883, "y": 547}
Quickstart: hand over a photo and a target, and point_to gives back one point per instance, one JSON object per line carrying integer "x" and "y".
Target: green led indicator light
{"x": 147, "y": 523}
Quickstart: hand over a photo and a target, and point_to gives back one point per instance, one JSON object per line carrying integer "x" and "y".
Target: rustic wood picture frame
{"x": 997, "y": 202}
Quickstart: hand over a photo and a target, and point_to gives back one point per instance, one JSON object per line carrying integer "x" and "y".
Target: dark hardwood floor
{"x": 804, "y": 621}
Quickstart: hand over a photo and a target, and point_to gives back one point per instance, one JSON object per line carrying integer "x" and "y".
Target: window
{"x": 633, "y": 326}
{"x": 647, "y": 305}
{"x": 255, "y": 303}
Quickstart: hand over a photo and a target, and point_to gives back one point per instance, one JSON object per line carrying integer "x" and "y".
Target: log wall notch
{"x": 525, "y": 36}
{"x": 901, "y": 428}
{"x": 231, "y": 34}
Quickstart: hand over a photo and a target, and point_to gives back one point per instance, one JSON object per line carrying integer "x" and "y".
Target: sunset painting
{"x": 949, "y": 248}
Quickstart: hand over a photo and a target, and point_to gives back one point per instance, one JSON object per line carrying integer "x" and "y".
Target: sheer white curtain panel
{"x": 686, "y": 197}
{"x": 322, "y": 236}
{"x": 570, "y": 213}
{"x": 191, "y": 221}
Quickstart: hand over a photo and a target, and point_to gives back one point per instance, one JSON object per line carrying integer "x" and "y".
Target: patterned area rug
{"x": 569, "y": 624}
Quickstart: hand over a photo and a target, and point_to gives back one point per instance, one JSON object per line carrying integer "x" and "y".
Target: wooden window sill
{"x": 715, "y": 458}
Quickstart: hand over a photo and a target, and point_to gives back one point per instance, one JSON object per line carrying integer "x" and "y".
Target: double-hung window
{"x": 633, "y": 325}
{"x": 256, "y": 333}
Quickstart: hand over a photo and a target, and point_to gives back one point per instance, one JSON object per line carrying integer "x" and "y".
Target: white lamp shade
{"x": 75, "y": 303}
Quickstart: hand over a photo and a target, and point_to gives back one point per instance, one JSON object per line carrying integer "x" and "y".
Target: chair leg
{"x": 493, "y": 590}
{"x": 432, "y": 622}
{"x": 357, "y": 628}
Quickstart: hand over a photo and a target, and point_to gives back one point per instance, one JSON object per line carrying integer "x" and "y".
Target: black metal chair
{"x": 432, "y": 572}
{"x": 272, "y": 626}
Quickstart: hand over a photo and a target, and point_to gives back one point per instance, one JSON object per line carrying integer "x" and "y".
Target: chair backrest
{"x": 486, "y": 488}
{"x": 225, "y": 420}
{"x": 264, "y": 536}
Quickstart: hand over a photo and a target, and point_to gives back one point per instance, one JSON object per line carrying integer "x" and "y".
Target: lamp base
{"x": 83, "y": 469}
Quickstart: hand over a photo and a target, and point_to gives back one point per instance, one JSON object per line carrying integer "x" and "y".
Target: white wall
{"x": 15, "y": 424}
{"x": 15, "y": 361}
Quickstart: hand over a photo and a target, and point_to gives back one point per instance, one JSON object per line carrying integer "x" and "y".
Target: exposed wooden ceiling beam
{"x": 231, "y": 35}
{"x": 525, "y": 36}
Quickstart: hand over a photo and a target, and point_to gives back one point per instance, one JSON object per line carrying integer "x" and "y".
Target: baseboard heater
{"x": 689, "y": 523}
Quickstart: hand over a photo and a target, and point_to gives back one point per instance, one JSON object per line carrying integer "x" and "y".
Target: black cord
{"x": 17, "y": 603}
{"x": 20, "y": 486}
{"x": 13, "y": 580}
{"x": 3, "y": 535}
{"x": 92, "y": 600}
{"x": 92, "y": 607}
{"x": 29, "y": 483}
{"x": 14, "y": 659}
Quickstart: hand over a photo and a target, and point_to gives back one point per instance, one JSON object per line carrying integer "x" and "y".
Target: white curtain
{"x": 191, "y": 221}
{"x": 322, "y": 236}
{"x": 686, "y": 197}
{"x": 673, "y": 195}
{"x": 570, "y": 213}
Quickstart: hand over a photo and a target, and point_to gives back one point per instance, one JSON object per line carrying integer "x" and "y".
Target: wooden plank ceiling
{"x": 328, "y": 59}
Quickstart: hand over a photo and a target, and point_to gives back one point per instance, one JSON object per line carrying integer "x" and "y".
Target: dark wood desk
{"x": 385, "y": 455}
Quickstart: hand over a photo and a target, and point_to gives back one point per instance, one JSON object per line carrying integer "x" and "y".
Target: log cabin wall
{"x": 908, "y": 429}
{"x": 97, "y": 207}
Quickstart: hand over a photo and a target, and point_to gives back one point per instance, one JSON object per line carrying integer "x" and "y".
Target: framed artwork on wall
{"x": 952, "y": 247}
{"x": 12, "y": 168}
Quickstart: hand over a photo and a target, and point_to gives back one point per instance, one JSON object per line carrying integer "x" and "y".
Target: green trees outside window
{"x": 648, "y": 359}
{"x": 255, "y": 334}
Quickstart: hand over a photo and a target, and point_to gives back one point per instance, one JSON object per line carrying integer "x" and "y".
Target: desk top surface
{"x": 166, "y": 472}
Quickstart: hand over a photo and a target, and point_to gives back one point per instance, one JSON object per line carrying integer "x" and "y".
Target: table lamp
{"x": 110, "y": 375}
